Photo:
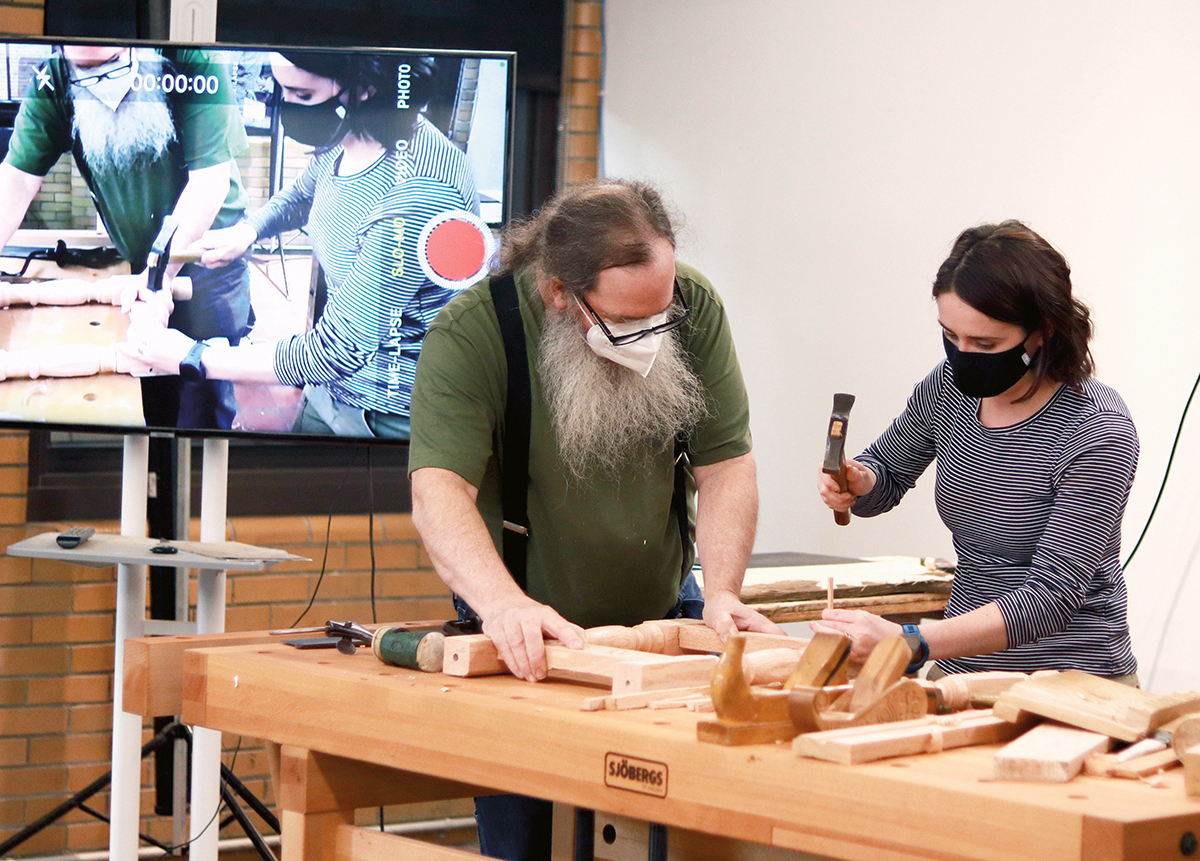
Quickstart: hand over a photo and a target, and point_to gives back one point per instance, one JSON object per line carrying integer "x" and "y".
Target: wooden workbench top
{"x": 533, "y": 738}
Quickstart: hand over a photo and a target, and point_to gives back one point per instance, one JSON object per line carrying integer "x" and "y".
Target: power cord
{"x": 1166, "y": 625}
{"x": 1166, "y": 473}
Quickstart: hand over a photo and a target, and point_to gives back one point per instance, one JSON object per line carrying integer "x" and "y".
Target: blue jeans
{"x": 519, "y": 828}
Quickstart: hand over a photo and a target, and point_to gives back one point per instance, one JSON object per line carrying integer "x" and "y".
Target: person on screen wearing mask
{"x": 1035, "y": 459}
{"x": 379, "y": 174}
{"x": 629, "y": 350}
{"x": 145, "y": 154}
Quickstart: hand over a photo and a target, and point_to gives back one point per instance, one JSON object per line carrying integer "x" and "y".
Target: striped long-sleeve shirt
{"x": 364, "y": 229}
{"x": 1035, "y": 513}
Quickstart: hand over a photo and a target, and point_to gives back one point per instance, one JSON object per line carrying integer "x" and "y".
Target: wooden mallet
{"x": 835, "y": 448}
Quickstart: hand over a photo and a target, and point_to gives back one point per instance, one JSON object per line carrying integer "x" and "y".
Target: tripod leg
{"x": 240, "y": 815}
{"x": 255, "y": 804}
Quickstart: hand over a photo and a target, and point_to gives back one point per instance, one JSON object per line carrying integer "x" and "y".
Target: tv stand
{"x": 131, "y": 552}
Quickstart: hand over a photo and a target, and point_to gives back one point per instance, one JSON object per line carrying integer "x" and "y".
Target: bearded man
{"x": 629, "y": 355}
{"x": 145, "y": 155}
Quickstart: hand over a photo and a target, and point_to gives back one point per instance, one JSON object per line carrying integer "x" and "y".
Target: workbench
{"x": 357, "y": 733}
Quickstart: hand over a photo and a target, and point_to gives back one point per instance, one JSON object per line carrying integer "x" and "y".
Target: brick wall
{"x": 56, "y": 649}
{"x": 21, "y": 16}
{"x": 583, "y": 56}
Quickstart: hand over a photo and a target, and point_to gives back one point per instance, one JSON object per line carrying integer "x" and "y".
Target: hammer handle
{"x": 841, "y": 518}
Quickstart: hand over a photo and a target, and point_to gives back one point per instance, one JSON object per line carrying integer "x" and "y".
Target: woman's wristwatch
{"x": 920, "y": 649}
{"x": 190, "y": 368}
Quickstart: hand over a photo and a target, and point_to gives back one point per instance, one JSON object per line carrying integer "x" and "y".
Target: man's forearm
{"x": 726, "y": 521}
{"x": 198, "y": 205}
{"x": 457, "y": 540}
{"x": 17, "y": 191}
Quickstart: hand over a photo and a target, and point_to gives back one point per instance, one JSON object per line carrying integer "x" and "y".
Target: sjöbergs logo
{"x": 635, "y": 775}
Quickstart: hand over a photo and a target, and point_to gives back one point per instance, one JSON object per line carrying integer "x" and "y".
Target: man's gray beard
{"x": 607, "y": 417}
{"x": 140, "y": 129}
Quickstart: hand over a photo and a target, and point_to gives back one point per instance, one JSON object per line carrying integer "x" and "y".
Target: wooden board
{"x": 884, "y": 575}
{"x": 916, "y": 604}
{"x": 930, "y": 734}
{"x": 1094, "y": 703}
{"x": 1048, "y": 752}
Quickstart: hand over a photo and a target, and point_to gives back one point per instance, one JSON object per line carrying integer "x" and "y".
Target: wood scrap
{"x": 1191, "y": 770}
{"x": 929, "y": 734}
{"x": 1147, "y": 764}
{"x": 642, "y": 699}
{"x": 1048, "y": 753}
{"x": 1094, "y": 703}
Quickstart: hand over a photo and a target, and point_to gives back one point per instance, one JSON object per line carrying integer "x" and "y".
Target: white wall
{"x": 826, "y": 154}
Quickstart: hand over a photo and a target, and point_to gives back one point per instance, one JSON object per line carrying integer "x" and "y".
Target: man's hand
{"x": 725, "y": 613}
{"x": 516, "y": 630}
{"x": 865, "y": 630}
{"x": 225, "y": 244}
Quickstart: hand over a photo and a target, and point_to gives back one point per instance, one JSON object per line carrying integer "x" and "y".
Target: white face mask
{"x": 638, "y": 355}
{"x": 109, "y": 91}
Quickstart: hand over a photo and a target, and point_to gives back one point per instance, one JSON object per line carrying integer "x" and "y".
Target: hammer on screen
{"x": 835, "y": 448}
{"x": 160, "y": 256}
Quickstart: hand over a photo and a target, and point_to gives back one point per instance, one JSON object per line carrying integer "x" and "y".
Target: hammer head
{"x": 835, "y": 440}
{"x": 160, "y": 253}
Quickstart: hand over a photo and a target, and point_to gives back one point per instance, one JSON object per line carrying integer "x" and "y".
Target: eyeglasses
{"x": 630, "y": 337}
{"x": 118, "y": 72}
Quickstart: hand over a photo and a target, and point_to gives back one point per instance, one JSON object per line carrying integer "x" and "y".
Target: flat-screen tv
{"x": 308, "y": 211}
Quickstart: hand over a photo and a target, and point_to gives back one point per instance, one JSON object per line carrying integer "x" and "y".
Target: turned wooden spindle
{"x": 647, "y": 637}
{"x": 63, "y": 360}
{"x": 76, "y": 291}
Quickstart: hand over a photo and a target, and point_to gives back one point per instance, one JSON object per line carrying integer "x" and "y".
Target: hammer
{"x": 160, "y": 254}
{"x": 835, "y": 448}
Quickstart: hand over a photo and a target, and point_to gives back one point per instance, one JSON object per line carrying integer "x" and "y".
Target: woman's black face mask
{"x": 321, "y": 125}
{"x": 985, "y": 375}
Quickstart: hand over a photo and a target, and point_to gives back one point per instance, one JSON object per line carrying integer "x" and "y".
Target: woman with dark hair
{"x": 379, "y": 174}
{"x": 1035, "y": 459}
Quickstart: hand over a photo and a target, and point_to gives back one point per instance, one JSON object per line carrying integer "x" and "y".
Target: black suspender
{"x": 514, "y": 468}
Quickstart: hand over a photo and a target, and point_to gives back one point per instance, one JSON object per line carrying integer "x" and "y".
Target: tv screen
{"x": 238, "y": 240}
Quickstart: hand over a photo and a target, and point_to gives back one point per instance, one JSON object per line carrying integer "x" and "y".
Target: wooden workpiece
{"x": 1049, "y": 752}
{"x": 629, "y": 670}
{"x": 386, "y": 723}
{"x": 80, "y": 291}
{"x": 929, "y": 734}
{"x": 1095, "y": 703}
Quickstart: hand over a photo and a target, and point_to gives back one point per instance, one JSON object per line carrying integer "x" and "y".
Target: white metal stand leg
{"x": 210, "y": 619}
{"x": 125, "y": 801}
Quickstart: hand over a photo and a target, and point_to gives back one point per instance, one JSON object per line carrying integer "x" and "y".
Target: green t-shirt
{"x": 133, "y": 203}
{"x": 603, "y": 552}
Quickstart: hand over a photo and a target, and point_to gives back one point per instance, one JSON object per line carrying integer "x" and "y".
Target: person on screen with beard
{"x": 629, "y": 350}
{"x": 379, "y": 175}
{"x": 145, "y": 155}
